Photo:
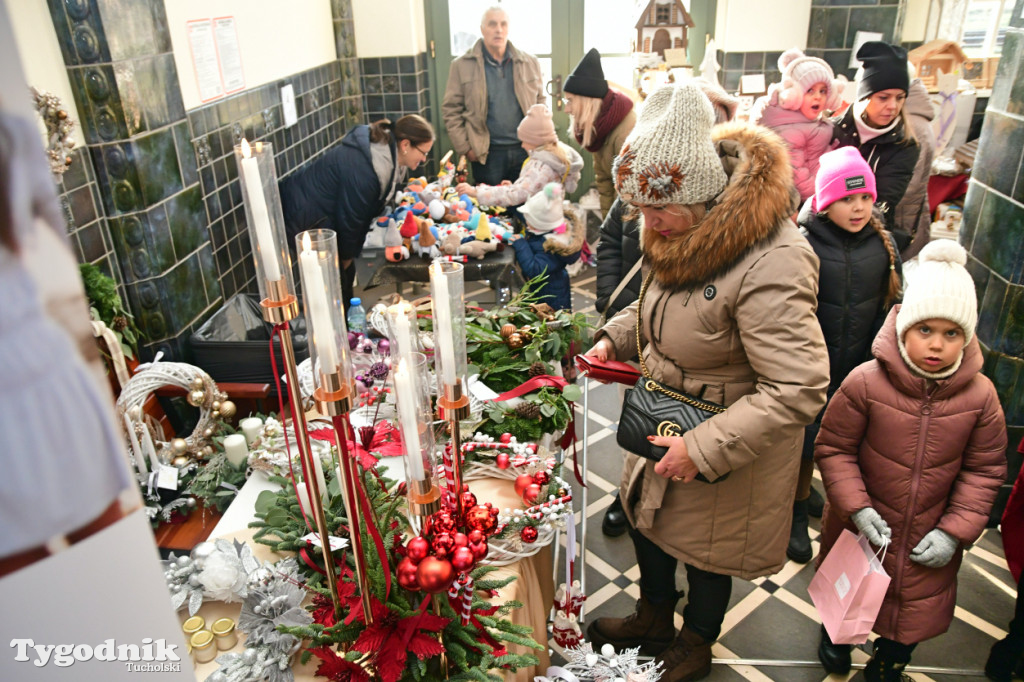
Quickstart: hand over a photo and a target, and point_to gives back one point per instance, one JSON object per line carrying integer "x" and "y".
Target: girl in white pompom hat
{"x": 912, "y": 451}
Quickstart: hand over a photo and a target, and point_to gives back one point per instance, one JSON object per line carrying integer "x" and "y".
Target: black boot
{"x": 1007, "y": 656}
{"x": 614, "y": 523}
{"x": 834, "y": 657}
{"x": 799, "y": 549}
{"x": 879, "y": 669}
{"x": 815, "y": 504}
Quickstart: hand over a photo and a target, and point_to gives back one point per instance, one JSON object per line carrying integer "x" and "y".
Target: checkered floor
{"x": 770, "y": 621}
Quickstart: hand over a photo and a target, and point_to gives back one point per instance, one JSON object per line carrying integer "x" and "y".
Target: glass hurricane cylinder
{"x": 320, "y": 275}
{"x": 411, "y": 379}
{"x": 447, "y": 293}
{"x": 265, "y": 219}
{"x": 403, "y": 332}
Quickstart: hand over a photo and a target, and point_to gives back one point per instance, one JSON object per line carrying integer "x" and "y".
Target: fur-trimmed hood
{"x": 571, "y": 241}
{"x": 758, "y": 199}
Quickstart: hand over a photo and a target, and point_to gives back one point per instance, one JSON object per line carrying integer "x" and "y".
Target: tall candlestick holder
{"x": 280, "y": 306}
{"x": 447, "y": 292}
{"x": 412, "y": 395}
{"x": 332, "y": 374}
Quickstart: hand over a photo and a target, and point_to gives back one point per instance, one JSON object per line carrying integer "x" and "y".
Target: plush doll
{"x": 394, "y": 250}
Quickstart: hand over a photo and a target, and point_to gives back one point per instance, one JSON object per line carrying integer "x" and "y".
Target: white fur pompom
{"x": 943, "y": 251}
{"x": 788, "y": 56}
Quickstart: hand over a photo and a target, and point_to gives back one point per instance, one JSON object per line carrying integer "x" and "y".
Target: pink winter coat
{"x": 924, "y": 454}
{"x": 806, "y": 140}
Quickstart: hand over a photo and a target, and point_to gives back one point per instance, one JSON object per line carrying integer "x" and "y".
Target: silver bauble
{"x": 259, "y": 578}
{"x": 193, "y": 580}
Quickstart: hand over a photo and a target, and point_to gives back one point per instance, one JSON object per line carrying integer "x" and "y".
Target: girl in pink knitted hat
{"x": 796, "y": 108}
{"x": 549, "y": 161}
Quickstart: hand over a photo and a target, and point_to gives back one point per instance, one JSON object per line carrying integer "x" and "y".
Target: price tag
{"x": 336, "y": 543}
{"x": 167, "y": 477}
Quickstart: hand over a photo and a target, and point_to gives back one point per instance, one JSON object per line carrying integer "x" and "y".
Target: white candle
{"x": 443, "y": 340}
{"x": 403, "y": 333}
{"x": 408, "y": 419}
{"x": 260, "y": 215}
{"x": 235, "y": 449}
{"x": 305, "y": 501}
{"x": 140, "y": 461}
{"x": 147, "y": 445}
{"x": 315, "y": 290}
{"x": 251, "y": 427}
{"x": 318, "y": 471}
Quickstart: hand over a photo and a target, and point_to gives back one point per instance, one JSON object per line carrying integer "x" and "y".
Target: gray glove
{"x": 874, "y": 527}
{"x": 935, "y": 549}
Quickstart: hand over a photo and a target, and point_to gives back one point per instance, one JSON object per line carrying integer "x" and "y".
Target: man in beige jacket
{"x": 489, "y": 90}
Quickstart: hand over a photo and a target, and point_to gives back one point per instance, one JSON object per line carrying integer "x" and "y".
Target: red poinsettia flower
{"x": 336, "y": 668}
{"x": 323, "y": 606}
{"x": 382, "y": 439}
{"x": 391, "y": 638}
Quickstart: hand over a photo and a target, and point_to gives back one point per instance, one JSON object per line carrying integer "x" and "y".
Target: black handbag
{"x": 651, "y": 408}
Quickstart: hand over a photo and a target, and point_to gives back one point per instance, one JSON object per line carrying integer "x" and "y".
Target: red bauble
{"x": 443, "y": 544}
{"x": 463, "y": 559}
{"x": 468, "y": 500}
{"x": 531, "y": 493}
{"x": 417, "y": 549}
{"x": 407, "y": 575}
{"x": 476, "y": 536}
{"x": 542, "y": 478}
{"x": 528, "y": 534}
{"x": 502, "y": 460}
{"x": 442, "y": 522}
{"x": 435, "y": 575}
{"x": 523, "y": 481}
{"x": 506, "y": 438}
{"x": 479, "y": 549}
{"x": 480, "y": 518}
{"x": 461, "y": 539}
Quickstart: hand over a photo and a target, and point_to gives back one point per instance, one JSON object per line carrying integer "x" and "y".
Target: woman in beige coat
{"x": 728, "y": 313}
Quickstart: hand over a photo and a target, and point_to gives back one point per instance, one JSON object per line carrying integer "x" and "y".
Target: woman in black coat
{"x": 349, "y": 186}
{"x": 617, "y": 253}
{"x": 877, "y": 124}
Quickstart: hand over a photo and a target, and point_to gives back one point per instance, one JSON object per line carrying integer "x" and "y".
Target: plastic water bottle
{"x": 356, "y": 317}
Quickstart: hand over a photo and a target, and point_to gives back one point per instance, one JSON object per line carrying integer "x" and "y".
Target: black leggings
{"x": 709, "y": 592}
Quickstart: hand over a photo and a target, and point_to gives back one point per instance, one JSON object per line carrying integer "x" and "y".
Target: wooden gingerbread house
{"x": 935, "y": 56}
{"x": 661, "y": 25}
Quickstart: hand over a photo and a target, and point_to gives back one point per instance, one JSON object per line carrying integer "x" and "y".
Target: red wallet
{"x": 609, "y": 370}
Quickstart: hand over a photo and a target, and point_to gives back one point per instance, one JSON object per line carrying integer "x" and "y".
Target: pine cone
{"x": 537, "y": 369}
{"x": 119, "y": 323}
{"x": 528, "y": 410}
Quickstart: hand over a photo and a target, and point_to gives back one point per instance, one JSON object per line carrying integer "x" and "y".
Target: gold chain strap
{"x": 651, "y": 384}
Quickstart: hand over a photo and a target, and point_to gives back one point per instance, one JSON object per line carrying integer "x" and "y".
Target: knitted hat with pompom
{"x": 543, "y": 211}
{"x": 799, "y": 73}
{"x": 941, "y": 288}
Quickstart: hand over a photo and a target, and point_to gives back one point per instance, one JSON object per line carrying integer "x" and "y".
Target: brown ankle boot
{"x": 687, "y": 660}
{"x": 650, "y": 628}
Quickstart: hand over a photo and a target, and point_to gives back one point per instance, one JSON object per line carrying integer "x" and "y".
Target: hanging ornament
{"x": 58, "y": 130}
{"x": 435, "y": 575}
{"x": 528, "y": 534}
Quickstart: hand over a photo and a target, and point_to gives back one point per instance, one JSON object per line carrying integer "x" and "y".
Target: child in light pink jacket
{"x": 796, "y": 109}
{"x": 549, "y": 161}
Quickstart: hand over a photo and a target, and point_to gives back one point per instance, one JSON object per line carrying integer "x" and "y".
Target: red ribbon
{"x": 537, "y": 383}
{"x": 342, "y": 426}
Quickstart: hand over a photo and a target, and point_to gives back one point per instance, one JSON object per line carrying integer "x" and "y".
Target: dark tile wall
{"x": 83, "y": 213}
{"x": 394, "y": 87}
{"x": 736, "y": 64}
{"x": 993, "y": 228}
{"x": 154, "y": 198}
{"x": 325, "y": 108}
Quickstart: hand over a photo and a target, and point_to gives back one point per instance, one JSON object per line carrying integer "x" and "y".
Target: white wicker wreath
{"x": 201, "y": 391}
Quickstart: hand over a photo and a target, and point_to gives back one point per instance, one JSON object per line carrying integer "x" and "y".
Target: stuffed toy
{"x": 394, "y": 249}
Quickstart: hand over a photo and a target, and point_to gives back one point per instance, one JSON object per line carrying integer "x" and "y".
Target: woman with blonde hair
{"x": 601, "y": 119}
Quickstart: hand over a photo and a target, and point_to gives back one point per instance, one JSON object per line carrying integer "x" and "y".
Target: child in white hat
{"x": 552, "y": 242}
{"x": 912, "y": 451}
{"x": 797, "y": 109}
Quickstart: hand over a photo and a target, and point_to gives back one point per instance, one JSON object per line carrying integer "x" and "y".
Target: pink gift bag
{"x": 848, "y": 589}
